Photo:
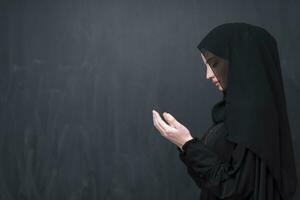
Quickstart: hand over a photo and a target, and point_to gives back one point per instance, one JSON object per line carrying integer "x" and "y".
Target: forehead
{"x": 208, "y": 55}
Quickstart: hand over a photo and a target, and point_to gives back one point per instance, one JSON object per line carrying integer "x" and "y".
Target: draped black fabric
{"x": 253, "y": 105}
{"x": 225, "y": 170}
{"x": 218, "y": 111}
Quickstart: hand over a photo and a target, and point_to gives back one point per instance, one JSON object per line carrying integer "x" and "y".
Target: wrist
{"x": 185, "y": 141}
{"x": 189, "y": 142}
{"x": 188, "y": 139}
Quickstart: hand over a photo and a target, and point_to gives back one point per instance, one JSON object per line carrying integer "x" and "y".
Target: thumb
{"x": 171, "y": 120}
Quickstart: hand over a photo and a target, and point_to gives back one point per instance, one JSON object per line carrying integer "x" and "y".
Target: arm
{"x": 232, "y": 178}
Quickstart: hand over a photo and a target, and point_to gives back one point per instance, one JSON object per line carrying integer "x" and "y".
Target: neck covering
{"x": 253, "y": 105}
{"x": 218, "y": 111}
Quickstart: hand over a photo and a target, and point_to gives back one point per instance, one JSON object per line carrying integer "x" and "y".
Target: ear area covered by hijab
{"x": 253, "y": 106}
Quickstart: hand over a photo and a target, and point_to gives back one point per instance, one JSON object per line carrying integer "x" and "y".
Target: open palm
{"x": 174, "y": 131}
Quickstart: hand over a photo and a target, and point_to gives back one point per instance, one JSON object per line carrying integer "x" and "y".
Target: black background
{"x": 78, "y": 81}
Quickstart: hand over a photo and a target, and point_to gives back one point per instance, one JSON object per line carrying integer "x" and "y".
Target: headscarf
{"x": 253, "y": 105}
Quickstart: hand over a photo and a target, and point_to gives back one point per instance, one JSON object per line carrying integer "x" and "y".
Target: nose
{"x": 209, "y": 73}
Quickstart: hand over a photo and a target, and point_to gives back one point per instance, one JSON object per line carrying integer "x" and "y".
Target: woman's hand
{"x": 173, "y": 131}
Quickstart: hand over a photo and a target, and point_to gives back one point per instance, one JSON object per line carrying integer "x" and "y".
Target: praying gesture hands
{"x": 172, "y": 130}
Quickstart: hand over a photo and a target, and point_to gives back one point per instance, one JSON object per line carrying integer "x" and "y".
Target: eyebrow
{"x": 209, "y": 59}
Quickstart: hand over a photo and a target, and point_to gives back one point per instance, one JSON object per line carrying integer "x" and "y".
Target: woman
{"x": 247, "y": 153}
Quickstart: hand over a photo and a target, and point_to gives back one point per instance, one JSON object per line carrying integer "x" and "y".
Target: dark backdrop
{"x": 78, "y": 81}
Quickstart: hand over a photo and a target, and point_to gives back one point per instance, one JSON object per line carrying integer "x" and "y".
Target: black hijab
{"x": 253, "y": 105}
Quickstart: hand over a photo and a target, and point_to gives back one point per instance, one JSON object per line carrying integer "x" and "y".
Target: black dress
{"x": 226, "y": 170}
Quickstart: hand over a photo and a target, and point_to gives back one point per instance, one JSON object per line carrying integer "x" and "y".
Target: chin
{"x": 220, "y": 88}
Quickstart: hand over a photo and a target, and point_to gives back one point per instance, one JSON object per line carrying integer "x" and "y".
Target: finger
{"x": 168, "y": 120}
{"x": 156, "y": 116}
{"x": 162, "y": 123}
{"x": 157, "y": 125}
{"x": 171, "y": 120}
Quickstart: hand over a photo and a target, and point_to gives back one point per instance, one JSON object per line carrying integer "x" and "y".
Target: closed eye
{"x": 214, "y": 64}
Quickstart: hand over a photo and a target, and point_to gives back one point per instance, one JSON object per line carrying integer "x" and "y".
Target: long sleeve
{"x": 231, "y": 177}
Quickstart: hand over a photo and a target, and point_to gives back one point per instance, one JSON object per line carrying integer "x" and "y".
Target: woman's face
{"x": 209, "y": 61}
